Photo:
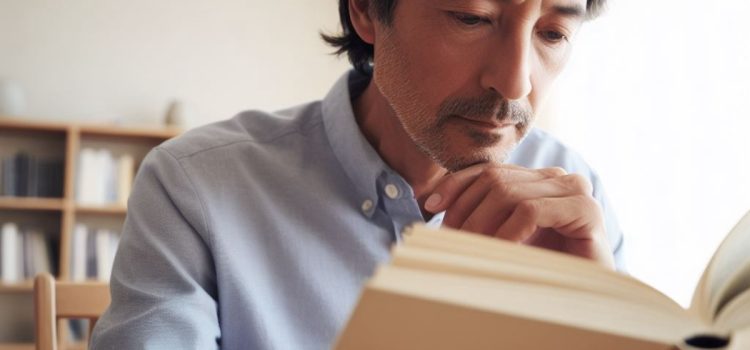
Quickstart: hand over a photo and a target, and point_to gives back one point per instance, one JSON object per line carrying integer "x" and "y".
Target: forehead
{"x": 565, "y": 7}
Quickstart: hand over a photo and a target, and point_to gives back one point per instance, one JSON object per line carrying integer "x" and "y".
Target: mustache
{"x": 487, "y": 107}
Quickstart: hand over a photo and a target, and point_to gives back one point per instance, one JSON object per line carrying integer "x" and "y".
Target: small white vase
{"x": 12, "y": 99}
{"x": 176, "y": 115}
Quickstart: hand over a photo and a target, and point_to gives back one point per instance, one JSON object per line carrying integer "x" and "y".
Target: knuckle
{"x": 449, "y": 183}
{"x": 589, "y": 204}
{"x": 554, "y": 172}
{"x": 528, "y": 209}
{"x": 491, "y": 177}
{"x": 502, "y": 190}
{"x": 578, "y": 183}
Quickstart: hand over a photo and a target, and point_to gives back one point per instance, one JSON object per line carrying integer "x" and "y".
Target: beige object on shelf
{"x": 65, "y": 300}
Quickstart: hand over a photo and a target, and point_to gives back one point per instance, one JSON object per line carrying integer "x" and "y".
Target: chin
{"x": 459, "y": 161}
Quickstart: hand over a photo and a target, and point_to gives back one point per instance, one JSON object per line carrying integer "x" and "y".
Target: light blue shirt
{"x": 258, "y": 232}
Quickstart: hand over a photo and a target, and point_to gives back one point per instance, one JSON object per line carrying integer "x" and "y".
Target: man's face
{"x": 466, "y": 77}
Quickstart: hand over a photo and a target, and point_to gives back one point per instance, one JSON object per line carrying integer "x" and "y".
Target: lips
{"x": 484, "y": 123}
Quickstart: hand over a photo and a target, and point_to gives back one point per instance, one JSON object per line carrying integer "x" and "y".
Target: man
{"x": 259, "y": 232}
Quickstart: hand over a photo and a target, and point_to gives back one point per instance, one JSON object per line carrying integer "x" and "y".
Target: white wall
{"x": 656, "y": 99}
{"x": 98, "y": 60}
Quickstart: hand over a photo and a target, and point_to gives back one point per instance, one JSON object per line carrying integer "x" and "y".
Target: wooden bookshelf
{"x": 65, "y": 140}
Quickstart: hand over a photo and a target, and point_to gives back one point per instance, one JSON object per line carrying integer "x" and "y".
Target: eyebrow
{"x": 576, "y": 11}
{"x": 573, "y": 11}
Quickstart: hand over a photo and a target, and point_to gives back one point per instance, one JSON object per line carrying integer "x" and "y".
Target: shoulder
{"x": 246, "y": 129}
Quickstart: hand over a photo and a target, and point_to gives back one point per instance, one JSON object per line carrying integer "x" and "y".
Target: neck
{"x": 384, "y": 131}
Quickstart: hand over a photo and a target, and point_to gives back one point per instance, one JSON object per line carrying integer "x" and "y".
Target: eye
{"x": 552, "y": 36}
{"x": 469, "y": 19}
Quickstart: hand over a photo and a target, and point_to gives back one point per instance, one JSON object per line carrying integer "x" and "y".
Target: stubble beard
{"x": 428, "y": 131}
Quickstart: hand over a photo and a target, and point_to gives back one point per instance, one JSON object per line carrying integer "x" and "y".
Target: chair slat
{"x": 58, "y": 300}
{"x": 81, "y": 300}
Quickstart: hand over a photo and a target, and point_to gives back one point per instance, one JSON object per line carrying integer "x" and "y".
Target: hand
{"x": 546, "y": 208}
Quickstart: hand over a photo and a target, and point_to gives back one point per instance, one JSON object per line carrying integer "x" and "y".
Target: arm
{"x": 163, "y": 281}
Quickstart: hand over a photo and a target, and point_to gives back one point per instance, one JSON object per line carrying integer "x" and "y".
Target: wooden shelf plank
{"x": 107, "y": 130}
{"x": 130, "y": 132}
{"x": 17, "y": 346}
{"x": 101, "y": 210}
{"x": 34, "y": 125}
{"x": 32, "y": 203}
{"x": 21, "y": 287}
{"x": 75, "y": 346}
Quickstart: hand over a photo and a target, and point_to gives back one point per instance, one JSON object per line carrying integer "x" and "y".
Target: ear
{"x": 364, "y": 25}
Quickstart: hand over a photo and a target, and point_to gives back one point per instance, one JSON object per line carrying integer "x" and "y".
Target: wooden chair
{"x": 55, "y": 300}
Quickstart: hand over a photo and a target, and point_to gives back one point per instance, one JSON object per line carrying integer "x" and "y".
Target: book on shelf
{"x": 25, "y": 252}
{"x": 10, "y": 253}
{"x": 104, "y": 178}
{"x": 92, "y": 253}
{"x": 27, "y": 175}
{"x": 445, "y": 289}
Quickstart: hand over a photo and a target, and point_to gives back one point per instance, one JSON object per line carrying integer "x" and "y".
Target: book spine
{"x": 10, "y": 253}
{"x": 40, "y": 253}
{"x": 109, "y": 181}
{"x": 85, "y": 184}
{"x": 78, "y": 253}
{"x": 126, "y": 172}
{"x": 9, "y": 177}
{"x": 91, "y": 272}
{"x": 103, "y": 265}
{"x": 2, "y": 177}
{"x": 23, "y": 162}
{"x": 56, "y": 177}
{"x": 32, "y": 184}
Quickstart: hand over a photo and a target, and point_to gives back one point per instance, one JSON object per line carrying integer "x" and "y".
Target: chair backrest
{"x": 55, "y": 300}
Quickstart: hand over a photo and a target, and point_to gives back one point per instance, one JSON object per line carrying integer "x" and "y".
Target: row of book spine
{"x": 27, "y": 175}
{"x": 92, "y": 253}
{"x": 26, "y": 252}
{"x": 103, "y": 178}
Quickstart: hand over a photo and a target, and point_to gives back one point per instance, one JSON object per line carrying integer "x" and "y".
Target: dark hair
{"x": 360, "y": 53}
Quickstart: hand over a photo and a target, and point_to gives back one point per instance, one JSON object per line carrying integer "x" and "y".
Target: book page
{"x": 728, "y": 273}
{"x": 740, "y": 340}
{"x": 736, "y": 314}
{"x": 613, "y": 285}
{"x": 503, "y": 253}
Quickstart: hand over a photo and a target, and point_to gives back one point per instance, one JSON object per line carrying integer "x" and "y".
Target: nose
{"x": 507, "y": 69}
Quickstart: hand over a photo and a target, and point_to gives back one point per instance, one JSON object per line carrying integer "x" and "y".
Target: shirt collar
{"x": 360, "y": 161}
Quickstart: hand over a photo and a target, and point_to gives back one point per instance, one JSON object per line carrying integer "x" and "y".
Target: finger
{"x": 553, "y": 172}
{"x": 465, "y": 204}
{"x": 451, "y": 186}
{"x": 487, "y": 212}
{"x": 575, "y": 217}
{"x": 488, "y": 215}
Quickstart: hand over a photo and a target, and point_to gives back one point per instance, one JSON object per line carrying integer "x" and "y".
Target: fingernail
{"x": 433, "y": 201}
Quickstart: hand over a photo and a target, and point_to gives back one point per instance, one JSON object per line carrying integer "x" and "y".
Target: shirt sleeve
{"x": 614, "y": 233}
{"x": 163, "y": 282}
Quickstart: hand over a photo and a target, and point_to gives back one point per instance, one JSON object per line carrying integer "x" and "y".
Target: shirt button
{"x": 367, "y": 206}
{"x": 391, "y": 191}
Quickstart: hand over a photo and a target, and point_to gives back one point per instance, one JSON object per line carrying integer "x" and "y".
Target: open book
{"x": 446, "y": 289}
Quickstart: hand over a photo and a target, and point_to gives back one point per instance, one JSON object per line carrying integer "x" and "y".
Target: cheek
{"x": 545, "y": 70}
{"x": 439, "y": 67}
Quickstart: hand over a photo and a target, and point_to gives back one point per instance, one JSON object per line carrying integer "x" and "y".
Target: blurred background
{"x": 654, "y": 97}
